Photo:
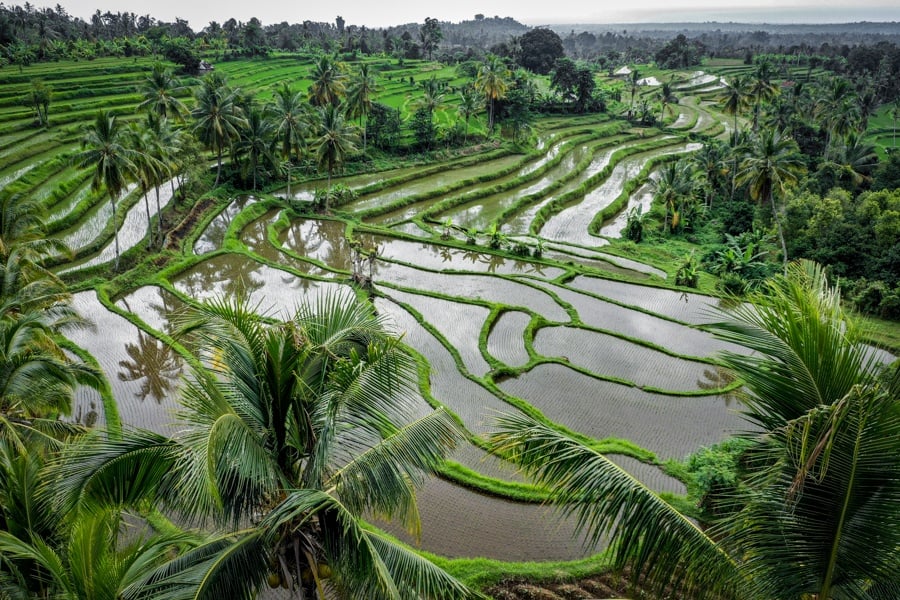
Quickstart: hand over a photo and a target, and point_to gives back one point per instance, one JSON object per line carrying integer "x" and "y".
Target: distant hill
{"x": 888, "y": 28}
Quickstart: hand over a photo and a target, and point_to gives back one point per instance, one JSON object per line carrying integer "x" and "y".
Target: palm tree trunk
{"x": 149, "y": 219}
{"x": 219, "y": 168}
{"x": 784, "y": 252}
{"x": 115, "y": 232}
{"x": 159, "y": 213}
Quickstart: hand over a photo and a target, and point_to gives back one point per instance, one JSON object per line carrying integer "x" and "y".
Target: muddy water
{"x": 273, "y": 291}
{"x": 471, "y": 402}
{"x": 670, "y": 426}
{"x": 506, "y": 341}
{"x": 678, "y": 338}
{"x": 521, "y": 222}
{"x": 459, "y": 323}
{"x": 131, "y": 233}
{"x": 428, "y": 183}
{"x": 483, "y": 287}
{"x": 157, "y": 307}
{"x": 610, "y": 356}
{"x": 322, "y": 240}
{"x": 571, "y": 224}
{"x": 464, "y": 523}
{"x": 143, "y": 372}
{"x": 435, "y": 256}
{"x": 682, "y": 306}
{"x": 214, "y": 234}
{"x": 483, "y": 211}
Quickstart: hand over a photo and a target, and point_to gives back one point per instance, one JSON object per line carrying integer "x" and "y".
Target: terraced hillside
{"x": 577, "y": 335}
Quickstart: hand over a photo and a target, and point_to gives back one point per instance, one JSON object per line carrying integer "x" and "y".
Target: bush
{"x": 688, "y": 274}
{"x": 634, "y": 227}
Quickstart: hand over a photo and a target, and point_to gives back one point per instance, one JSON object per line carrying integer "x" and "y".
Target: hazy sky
{"x": 375, "y": 13}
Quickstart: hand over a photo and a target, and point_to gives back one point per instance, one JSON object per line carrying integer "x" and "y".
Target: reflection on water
{"x": 152, "y": 363}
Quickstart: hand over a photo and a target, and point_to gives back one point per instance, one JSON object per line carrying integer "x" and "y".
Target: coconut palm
{"x": 106, "y": 151}
{"x": 824, "y": 484}
{"x": 838, "y": 108}
{"x": 493, "y": 82}
{"x": 634, "y": 79}
{"x": 292, "y": 431}
{"x": 771, "y": 164}
{"x": 218, "y": 117}
{"x": 84, "y": 559}
{"x": 362, "y": 89}
{"x": 761, "y": 88}
{"x": 37, "y": 379}
{"x": 329, "y": 83}
{"x": 852, "y": 163}
{"x": 671, "y": 188}
{"x": 468, "y": 106}
{"x": 292, "y": 121}
{"x": 161, "y": 90}
{"x": 734, "y": 98}
{"x": 666, "y": 97}
{"x": 147, "y": 169}
{"x": 336, "y": 139}
{"x": 256, "y": 146}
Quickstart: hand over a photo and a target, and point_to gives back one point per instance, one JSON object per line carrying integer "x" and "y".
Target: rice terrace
{"x": 546, "y": 249}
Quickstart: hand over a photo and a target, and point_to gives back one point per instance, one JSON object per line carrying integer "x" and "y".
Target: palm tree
{"x": 634, "y": 81}
{"x": 336, "y": 140}
{"x": 771, "y": 164}
{"x": 468, "y": 106}
{"x": 734, "y": 99}
{"x": 218, "y": 117}
{"x": 328, "y": 82}
{"x": 823, "y": 480}
{"x": 852, "y": 163}
{"x": 293, "y": 430}
{"x": 105, "y": 150}
{"x": 363, "y": 88}
{"x": 148, "y": 170}
{"x": 493, "y": 82}
{"x": 37, "y": 379}
{"x": 673, "y": 185}
{"x": 292, "y": 120}
{"x": 761, "y": 88}
{"x": 161, "y": 90}
{"x": 666, "y": 97}
{"x": 84, "y": 559}
{"x": 838, "y": 109}
{"x": 257, "y": 146}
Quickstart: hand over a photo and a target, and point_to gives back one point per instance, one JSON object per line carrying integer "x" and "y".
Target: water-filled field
{"x": 575, "y": 334}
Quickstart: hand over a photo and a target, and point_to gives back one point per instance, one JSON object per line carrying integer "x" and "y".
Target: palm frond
{"x": 382, "y": 478}
{"x": 610, "y": 505}
{"x": 823, "y": 517}
{"x": 229, "y": 566}
{"x": 117, "y": 472}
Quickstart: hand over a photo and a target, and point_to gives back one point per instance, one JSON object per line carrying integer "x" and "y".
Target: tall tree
{"x": 493, "y": 82}
{"x": 336, "y": 139}
{"x": 161, "y": 90}
{"x": 256, "y": 146}
{"x": 361, "y": 91}
{"x": 468, "y": 106}
{"x": 218, "y": 118}
{"x": 293, "y": 431}
{"x": 292, "y": 121}
{"x": 430, "y": 35}
{"x": 105, "y": 150}
{"x": 771, "y": 164}
{"x": 734, "y": 99}
{"x": 329, "y": 82}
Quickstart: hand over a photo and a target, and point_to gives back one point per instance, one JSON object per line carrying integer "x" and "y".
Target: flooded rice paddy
{"x": 602, "y": 357}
